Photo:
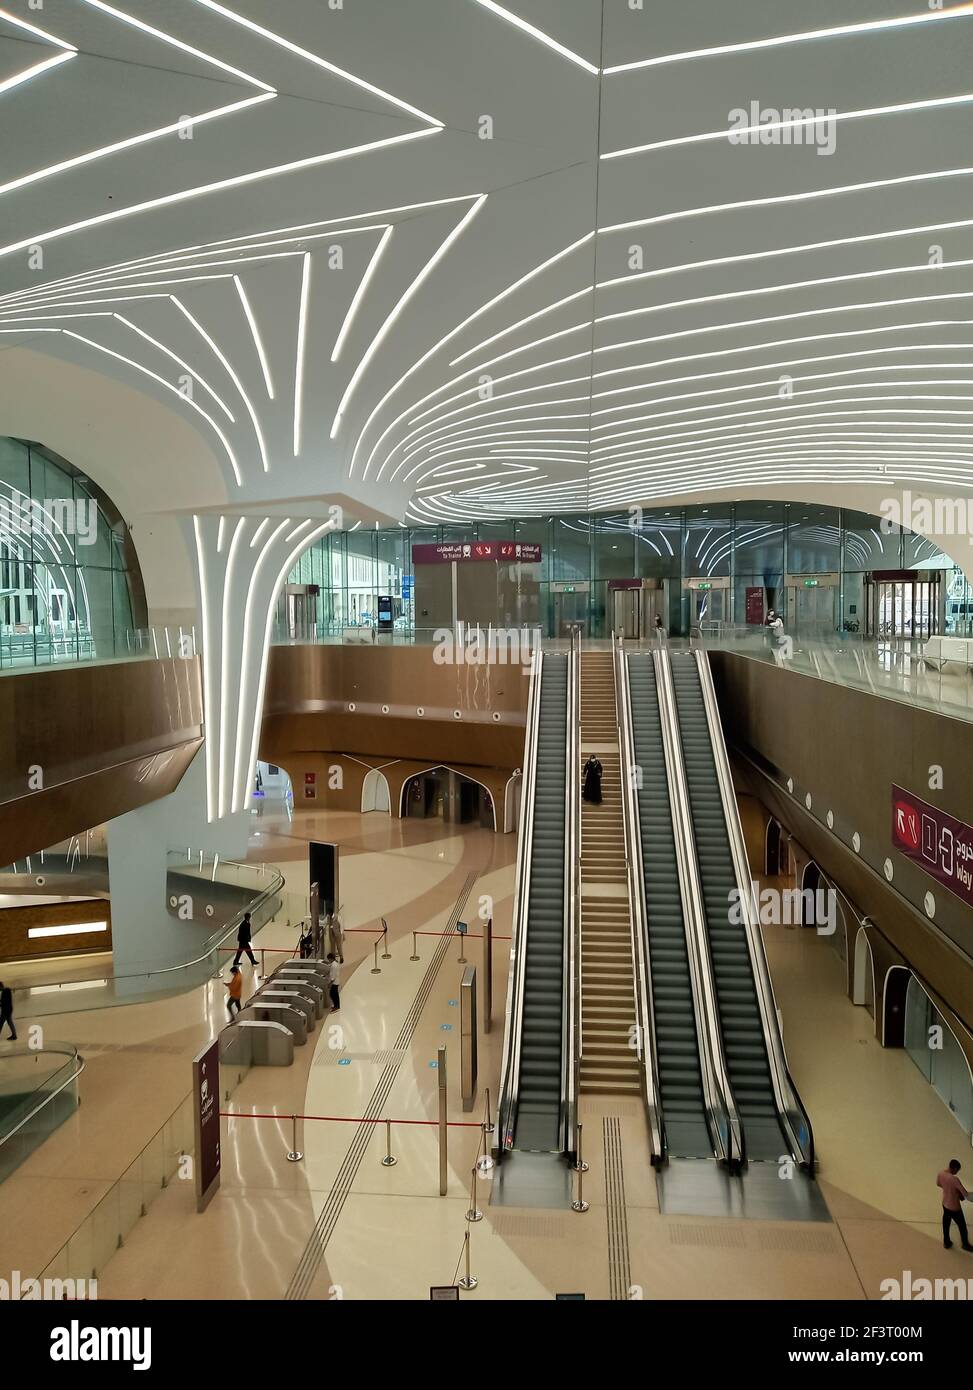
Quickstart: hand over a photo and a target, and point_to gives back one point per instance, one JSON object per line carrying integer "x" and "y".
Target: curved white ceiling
{"x": 284, "y": 219}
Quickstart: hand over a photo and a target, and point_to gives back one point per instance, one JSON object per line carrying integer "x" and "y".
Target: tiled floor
{"x": 348, "y": 1227}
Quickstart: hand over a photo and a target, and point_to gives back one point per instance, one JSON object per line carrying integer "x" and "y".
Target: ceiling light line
{"x": 836, "y": 31}
{"x": 761, "y": 459}
{"x": 772, "y": 393}
{"x": 474, "y": 405}
{"x": 319, "y": 61}
{"x": 434, "y": 487}
{"x": 227, "y": 367}
{"x": 360, "y": 293}
{"x": 19, "y": 23}
{"x": 179, "y": 361}
{"x": 208, "y": 746}
{"x": 225, "y": 663}
{"x": 255, "y": 334}
{"x": 230, "y": 244}
{"x": 503, "y": 13}
{"x": 448, "y": 337}
{"x": 176, "y": 43}
{"x": 393, "y": 317}
{"x": 131, "y": 141}
{"x": 19, "y": 78}
{"x": 521, "y": 323}
{"x": 299, "y": 353}
{"x": 203, "y": 190}
{"x": 194, "y": 405}
{"x": 894, "y": 109}
{"x": 777, "y": 199}
{"x": 792, "y": 362}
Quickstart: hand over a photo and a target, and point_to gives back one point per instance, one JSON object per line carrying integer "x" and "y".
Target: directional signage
{"x": 937, "y": 842}
{"x": 524, "y": 552}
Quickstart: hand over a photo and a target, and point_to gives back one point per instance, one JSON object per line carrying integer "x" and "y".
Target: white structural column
{"x": 242, "y": 563}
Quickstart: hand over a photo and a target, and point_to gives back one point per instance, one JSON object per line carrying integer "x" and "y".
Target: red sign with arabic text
{"x": 937, "y": 842}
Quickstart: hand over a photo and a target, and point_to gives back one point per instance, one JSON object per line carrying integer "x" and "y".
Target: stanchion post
{"x": 443, "y": 1129}
{"x": 415, "y": 948}
{"x": 474, "y": 1213}
{"x": 579, "y": 1164}
{"x": 468, "y": 1281}
{"x": 388, "y": 1161}
{"x": 386, "y": 953}
{"x": 376, "y": 968}
{"x": 295, "y": 1154}
{"x": 488, "y": 975}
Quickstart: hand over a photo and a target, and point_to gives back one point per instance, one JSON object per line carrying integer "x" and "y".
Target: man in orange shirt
{"x": 235, "y": 986}
{"x": 954, "y": 1194}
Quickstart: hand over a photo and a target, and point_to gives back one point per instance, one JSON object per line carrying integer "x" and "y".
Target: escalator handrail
{"x": 786, "y": 1097}
{"x": 571, "y": 989}
{"x": 725, "y": 1127}
{"x": 647, "y": 1049}
{"x": 514, "y": 1011}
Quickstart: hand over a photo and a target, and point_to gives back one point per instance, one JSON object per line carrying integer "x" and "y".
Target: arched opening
{"x": 442, "y": 793}
{"x": 863, "y": 986}
{"x": 935, "y": 1049}
{"x": 375, "y": 794}
{"x": 811, "y": 882}
{"x": 772, "y": 841}
{"x": 893, "y": 1005}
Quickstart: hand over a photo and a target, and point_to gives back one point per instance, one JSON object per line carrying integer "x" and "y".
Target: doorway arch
{"x": 375, "y": 793}
{"x": 772, "y": 848}
{"x": 863, "y": 986}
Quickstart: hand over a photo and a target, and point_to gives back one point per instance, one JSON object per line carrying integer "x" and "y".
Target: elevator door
{"x": 570, "y": 610}
{"x": 812, "y": 610}
{"x": 706, "y": 606}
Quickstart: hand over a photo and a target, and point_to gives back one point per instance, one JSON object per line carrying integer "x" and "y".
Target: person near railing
{"x": 243, "y": 939}
{"x": 7, "y": 1010}
{"x": 235, "y": 985}
{"x": 334, "y": 980}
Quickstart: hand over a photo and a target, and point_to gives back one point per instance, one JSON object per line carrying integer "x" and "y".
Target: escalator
{"x": 537, "y": 1065}
{"x": 768, "y": 1106}
{"x": 682, "y": 1102}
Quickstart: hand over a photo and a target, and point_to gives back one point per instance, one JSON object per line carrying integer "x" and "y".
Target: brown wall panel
{"x": 15, "y": 944}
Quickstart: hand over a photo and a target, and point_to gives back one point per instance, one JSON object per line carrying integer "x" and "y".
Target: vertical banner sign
{"x": 206, "y": 1117}
{"x": 755, "y": 605}
{"x": 937, "y": 842}
{"x": 323, "y": 865}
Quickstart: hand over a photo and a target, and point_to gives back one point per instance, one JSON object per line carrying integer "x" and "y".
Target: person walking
{"x": 954, "y": 1195}
{"x": 243, "y": 938}
{"x": 592, "y": 780}
{"x": 7, "y": 1010}
{"x": 235, "y": 985}
{"x": 334, "y": 980}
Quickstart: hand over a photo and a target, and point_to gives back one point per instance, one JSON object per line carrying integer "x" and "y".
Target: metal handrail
{"x": 785, "y": 1093}
{"x": 514, "y": 1010}
{"x": 718, "y": 1093}
{"x": 571, "y": 1046}
{"x": 73, "y": 1055}
{"x": 648, "y": 1052}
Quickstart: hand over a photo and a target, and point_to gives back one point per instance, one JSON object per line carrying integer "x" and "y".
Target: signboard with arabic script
{"x": 937, "y": 842}
{"x": 510, "y": 552}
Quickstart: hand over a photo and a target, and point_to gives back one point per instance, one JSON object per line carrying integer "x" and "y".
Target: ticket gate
{"x": 257, "y": 1043}
{"x": 266, "y": 1010}
{"x": 293, "y": 999}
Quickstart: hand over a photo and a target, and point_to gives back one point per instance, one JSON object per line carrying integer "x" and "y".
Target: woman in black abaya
{"x": 591, "y": 790}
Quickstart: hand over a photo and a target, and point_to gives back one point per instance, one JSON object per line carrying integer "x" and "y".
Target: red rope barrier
{"x": 344, "y": 1119}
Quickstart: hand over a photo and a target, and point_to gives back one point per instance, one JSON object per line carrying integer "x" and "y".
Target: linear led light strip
{"x": 221, "y": 356}
{"x": 838, "y": 31}
{"x": 685, "y": 267}
{"x": 209, "y": 746}
{"x": 255, "y": 334}
{"x": 792, "y": 362}
{"x": 386, "y": 327}
{"x": 225, "y": 658}
{"x": 315, "y": 58}
{"x": 359, "y": 295}
{"x": 246, "y": 790}
{"x": 439, "y": 422}
{"x": 895, "y": 109}
{"x": 239, "y": 242}
{"x": 177, "y": 359}
{"x": 605, "y": 440}
{"x": 301, "y": 346}
{"x": 235, "y": 255}
{"x": 534, "y": 32}
{"x": 68, "y": 332}
{"x": 202, "y": 190}
{"x": 430, "y": 352}
{"x": 43, "y": 66}
{"x": 649, "y": 489}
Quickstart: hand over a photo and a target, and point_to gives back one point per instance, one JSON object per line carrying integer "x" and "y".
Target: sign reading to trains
{"x": 523, "y": 552}
{"x": 939, "y": 843}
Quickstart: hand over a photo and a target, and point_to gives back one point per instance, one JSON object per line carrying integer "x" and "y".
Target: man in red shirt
{"x": 954, "y": 1194}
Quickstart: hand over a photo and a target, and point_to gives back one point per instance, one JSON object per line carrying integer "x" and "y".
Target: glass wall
{"x": 70, "y": 588}
{"x": 931, "y": 1044}
{"x": 748, "y": 557}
